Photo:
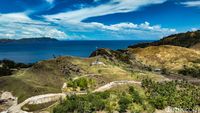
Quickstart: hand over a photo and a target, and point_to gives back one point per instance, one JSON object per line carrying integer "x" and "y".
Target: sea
{"x": 34, "y": 52}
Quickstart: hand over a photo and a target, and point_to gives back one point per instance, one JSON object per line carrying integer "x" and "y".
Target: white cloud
{"x": 18, "y": 25}
{"x": 194, "y": 29}
{"x": 114, "y": 27}
{"x": 50, "y": 1}
{"x": 72, "y": 21}
{"x": 118, "y": 31}
{"x": 14, "y": 17}
{"x": 191, "y": 3}
{"x": 131, "y": 26}
{"x": 114, "y": 6}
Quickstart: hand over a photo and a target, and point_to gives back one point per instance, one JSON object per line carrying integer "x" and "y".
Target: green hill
{"x": 48, "y": 76}
{"x": 43, "y": 77}
{"x": 188, "y": 40}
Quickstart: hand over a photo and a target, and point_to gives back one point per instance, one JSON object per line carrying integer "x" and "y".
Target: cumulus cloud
{"x": 191, "y": 3}
{"x": 131, "y": 26}
{"x": 115, "y": 27}
{"x": 120, "y": 31}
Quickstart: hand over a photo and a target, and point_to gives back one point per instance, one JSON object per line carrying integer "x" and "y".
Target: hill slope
{"x": 169, "y": 57}
{"x": 50, "y": 75}
{"x": 188, "y": 40}
{"x": 43, "y": 77}
{"x": 164, "y": 58}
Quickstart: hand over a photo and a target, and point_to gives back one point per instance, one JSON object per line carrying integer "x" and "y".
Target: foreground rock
{"x": 7, "y": 100}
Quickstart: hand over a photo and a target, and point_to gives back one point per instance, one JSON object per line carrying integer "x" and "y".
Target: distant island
{"x": 27, "y": 40}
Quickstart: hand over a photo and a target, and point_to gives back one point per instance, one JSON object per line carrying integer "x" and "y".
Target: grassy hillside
{"x": 43, "y": 77}
{"x": 169, "y": 57}
{"x": 48, "y": 76}
{"x": 188, "y": 40}
{"x": 175, "y": 54}
{"x": 23, "y": 89}
{"x": 165, "y": 59}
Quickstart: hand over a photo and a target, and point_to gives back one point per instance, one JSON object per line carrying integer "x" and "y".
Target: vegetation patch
{"x": 157, "y": 95}
{"x": 193, "y": 71}
{"x": 105, "y": 101}
{"x": 81, "y": 83}
{"x": 178, "y": 94}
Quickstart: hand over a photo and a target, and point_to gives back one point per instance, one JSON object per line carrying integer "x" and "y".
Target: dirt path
{"x": 115, "y": 83}
{"x": 35, "y": 100}
{"x": 23, "y": 72}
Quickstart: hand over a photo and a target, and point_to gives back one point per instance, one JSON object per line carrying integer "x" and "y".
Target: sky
{"x": 97, "y": 19}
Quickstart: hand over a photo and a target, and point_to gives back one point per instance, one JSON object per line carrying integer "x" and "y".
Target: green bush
{"x": 135, "y": 95}
{"x": 176, "y": 94}
{"x": 82, "y": 104}
{"x": 193, "y": 71}
{"x": 82, "y": 83}
{"x": 5, "y": 71}
{"x": 7, "y": 67}
{"x": 123, "y": 103}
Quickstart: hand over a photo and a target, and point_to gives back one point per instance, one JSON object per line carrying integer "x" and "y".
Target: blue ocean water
{"x": 33, "y": 52}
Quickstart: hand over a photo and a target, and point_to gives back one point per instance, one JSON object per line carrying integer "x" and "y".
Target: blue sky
{"x": 97, "y": 19}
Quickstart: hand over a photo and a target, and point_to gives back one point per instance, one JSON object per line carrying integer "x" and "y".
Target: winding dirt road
{"x": 115, "y": 83}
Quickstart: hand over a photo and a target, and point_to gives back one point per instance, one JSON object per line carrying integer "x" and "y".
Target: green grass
{"x": 23, "y": 89}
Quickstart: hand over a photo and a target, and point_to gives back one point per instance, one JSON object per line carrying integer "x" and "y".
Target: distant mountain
{"x": 188, "y": 40}
{"x": 6, "y": 40}
{"x": 28, "y": 40}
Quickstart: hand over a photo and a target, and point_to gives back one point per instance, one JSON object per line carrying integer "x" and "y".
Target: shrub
{"x": 82, "y": 83}
{"x": 123, "y": 103}
{"x": 193, "y": 71}
{"x": 135, "y": 95}
{"x": 176, "y": 94}
{"x": 82, "y": 104}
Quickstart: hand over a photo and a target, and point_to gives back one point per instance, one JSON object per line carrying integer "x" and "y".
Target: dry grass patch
{"x": 170, "y": 57}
